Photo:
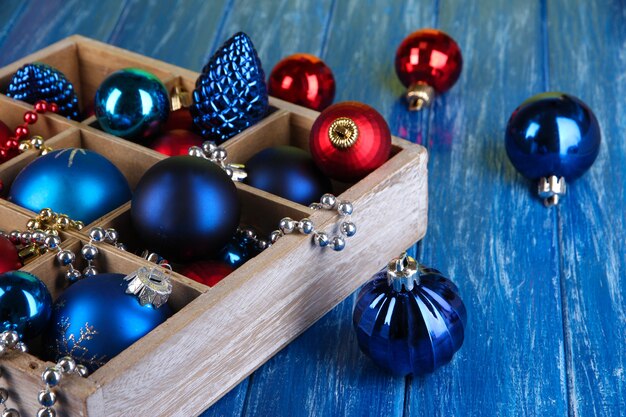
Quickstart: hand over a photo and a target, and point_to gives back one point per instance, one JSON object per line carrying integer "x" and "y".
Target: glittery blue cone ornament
{"x": 25, "y": 304}
{"x": 36, "y": 81}
{"x": 409, "y": 319}
{"x": 78, "y": 182}
{"x": 96, "y": 319}
{"x": 231, "y": 93}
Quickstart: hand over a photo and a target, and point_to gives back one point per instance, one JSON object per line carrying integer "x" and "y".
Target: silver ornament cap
{"x": 402, "y": 272}
{"x": 151, "y": 285}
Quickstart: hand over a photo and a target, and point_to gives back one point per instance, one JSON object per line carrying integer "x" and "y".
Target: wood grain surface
{"x": 545, "y": 289}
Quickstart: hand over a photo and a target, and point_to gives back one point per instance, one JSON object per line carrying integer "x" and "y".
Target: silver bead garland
{"x": 218, "y": 155}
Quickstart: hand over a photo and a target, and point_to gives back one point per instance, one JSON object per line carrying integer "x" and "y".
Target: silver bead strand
{"x": 218, "y": 155}
{"x": 9, "y": 342}
{"x": 52, "y": 377}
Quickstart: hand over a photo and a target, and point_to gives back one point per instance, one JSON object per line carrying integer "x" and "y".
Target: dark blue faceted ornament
{"x": 132, "y": 104}
{"x": 409, "y": 319}
{"x": 231, "y": 93}
{"x": 78, "y": 182}
{"x": 36, "y": 81}
{"x": 25, "y": 304}
{"x": 95, "y": 319}
{"x": 553, "y": 138}
{"x": 185, "y": 208}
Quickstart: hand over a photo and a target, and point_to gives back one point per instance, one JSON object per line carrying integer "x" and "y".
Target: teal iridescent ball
{"x": 132, "y": 104}
{"x": 25, "y": 304}
{"x": 80, "y": 183}
{"x": 95, "y": 320}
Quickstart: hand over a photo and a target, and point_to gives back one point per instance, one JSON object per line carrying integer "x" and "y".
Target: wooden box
{"x": 218, "y": 335}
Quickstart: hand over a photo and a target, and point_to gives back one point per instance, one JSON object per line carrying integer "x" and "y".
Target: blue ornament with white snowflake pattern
{"x": 231, "y": 93}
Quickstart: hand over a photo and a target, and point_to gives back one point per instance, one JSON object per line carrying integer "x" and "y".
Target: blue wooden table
{"x": 545, "y": 289}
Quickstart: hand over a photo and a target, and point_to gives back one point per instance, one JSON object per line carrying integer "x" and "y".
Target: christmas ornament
{"x": 25, "y": 304}
{"x": 235, "y": 254}
{"x": 349, "y": 140}
{"x": 132, "y": 104}
{"x": 185, "y": 208}
{"x": 409, "y": 319}
{"x": 77, "y": 182}
{"x": 427, "y": 62}
{"x": 554, "y": 138}
{"x": 176, "y": 142}
{"x": 6, "y": 138}
{"x": 303, "y": 79}
{"x": 9, "y": 258}
{"x": 179, "y": 120}
{"x": 97, "y": 318}
{"x": 230, "y": 94}
{"x": 34, "y": 82}
{"x": 207, "y": 272}
{"x": 288, "y": 172}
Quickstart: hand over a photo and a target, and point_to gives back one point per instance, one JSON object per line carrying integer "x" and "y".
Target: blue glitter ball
{"x": 552, "y": 134}
{"x": 231, "y": 93}
{"x": 77, "y": 182}
{"x": 25, "y": 304}
{"x": 36, "y": 81}
{"x": 410, "y": 331}
{"x": 94, "y": 320}
{"x": 132, "y": 104}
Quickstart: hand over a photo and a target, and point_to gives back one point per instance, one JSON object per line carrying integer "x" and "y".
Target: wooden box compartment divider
{"x": 218, "y": 335}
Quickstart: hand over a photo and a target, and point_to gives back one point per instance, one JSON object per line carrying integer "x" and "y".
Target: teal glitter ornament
{"x": 37, "y": 81}
{"x": 78, "y": 182}
{"x": 231, "y": 93}
{"x": 132, "y": 104}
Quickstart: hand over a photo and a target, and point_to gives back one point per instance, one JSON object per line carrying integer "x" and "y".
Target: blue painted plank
{"x": 486, "y": 229}
{"x": 46, "y": 21}
{"x": 587, "y": 59}
{"x": 9, "y": 14}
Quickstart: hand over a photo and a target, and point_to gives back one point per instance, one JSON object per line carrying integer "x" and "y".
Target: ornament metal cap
{"x": 151, "y": 285}
{"x": 343, "y": 133}
{"x": 419, "y": 95}
{"x": 402, "y": 272}
{"x": 551, "y": 189}
{"x": 180, "y": 99}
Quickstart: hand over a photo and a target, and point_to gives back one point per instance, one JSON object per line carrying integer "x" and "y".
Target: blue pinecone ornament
{"x": 37, "y": 81}
{"x": 231, "y": 93}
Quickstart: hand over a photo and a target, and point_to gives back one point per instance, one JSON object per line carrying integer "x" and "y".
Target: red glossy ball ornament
{"x": 179, "y": 119}
{"x": 207, "y": 272}
{"x": 9, "y": 259}
{"x": 349, "y": 140}
{"x": 427, "y": 61}
{"x": 303, "y": 79}
{"x": 176, "y": 142}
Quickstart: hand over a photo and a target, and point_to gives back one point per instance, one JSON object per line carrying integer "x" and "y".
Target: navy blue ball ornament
{"x": 96, "y": 319}
{"x": 37, "y": 81}
{"x": 409, "y": 319}
{"x": 185, "y": 208}
{"x": 25, "y": 304}
{"x": 231, "y": 93}
{"x": 132, "y": 104}
{"x": 288, "y": 172}
{"x": 78, "y": 182}
{"x": 553, "y": 138}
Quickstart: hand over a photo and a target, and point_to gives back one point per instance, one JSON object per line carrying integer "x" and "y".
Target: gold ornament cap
{"x": 343, "y": 133}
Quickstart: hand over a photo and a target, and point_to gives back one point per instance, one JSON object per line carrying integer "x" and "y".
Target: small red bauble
{"x": 176, "y": 142}
{"x": 9, "y": 259}
{"x": 427, "y": 61}
{"x": 179, "y": 119}
{"x": 349, "y": 140}
{"x": 303, "y": 79}
{"x": 207, "y": 272}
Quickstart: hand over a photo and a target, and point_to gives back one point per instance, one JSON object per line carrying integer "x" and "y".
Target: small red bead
{"x": 30, "y": 117}
{"x": 41, "y": 106}
{"x": 54, "y": 108}
{"x": 12, "y": 143}
{"x": 429, "y": 56}
{"x": 21, "y": 131}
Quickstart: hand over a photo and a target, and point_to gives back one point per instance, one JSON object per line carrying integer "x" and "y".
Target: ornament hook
{"x": 419, "y": 95}
{"x": 402, "y": 272}
{"x": 551, "y": 189}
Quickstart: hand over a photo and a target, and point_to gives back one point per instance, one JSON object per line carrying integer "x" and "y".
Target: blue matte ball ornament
{"x": 288, "y": 172}
{"x": 132, "y": 104}
{"x": 185, "y": 208}
{"x": 25, "y": 304}
{"x": 78, "y": 182}
{"x": 95, "y": 319}
{"x": 409, "y": 319}
{"x": 552, "y": 135}
{"x": 231, "y": 93}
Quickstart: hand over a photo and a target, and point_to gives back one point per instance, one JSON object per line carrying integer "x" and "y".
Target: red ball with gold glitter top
{"x": 9, "y": 259}
{"x": 427, "y": 62}
{"x": 349, "y": 140}
{"x": 303, "y": 79}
